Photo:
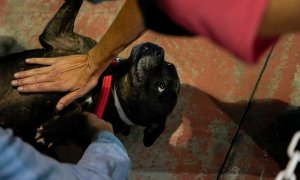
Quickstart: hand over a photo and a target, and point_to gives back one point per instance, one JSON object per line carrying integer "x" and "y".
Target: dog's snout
{"x": 159, "y": 54}
{"x": 154, "y": 50}
{"x": 145, "y": 48}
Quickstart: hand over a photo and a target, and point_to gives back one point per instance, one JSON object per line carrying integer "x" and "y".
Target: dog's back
{"x": 147, "y": 86}
{"x": 25, "y": 112}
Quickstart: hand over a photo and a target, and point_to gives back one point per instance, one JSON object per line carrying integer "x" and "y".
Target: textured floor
{"x": 220, "y": 98}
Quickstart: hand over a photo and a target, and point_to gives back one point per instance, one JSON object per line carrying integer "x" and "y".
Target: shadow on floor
{"x": 199, "y": 132}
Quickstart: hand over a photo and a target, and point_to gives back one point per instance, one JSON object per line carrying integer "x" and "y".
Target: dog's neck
{"x": 119, "y": 108}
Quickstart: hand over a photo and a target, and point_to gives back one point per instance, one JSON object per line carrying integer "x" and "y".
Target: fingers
{"x": 31, "y": 80}
{"x": 68, "y": 73}
{"x": 67, "y": 99}
{"x": 90, "y": 115}
{"x": 40, "y": 87}
{"x": 42, "y": 61}
{"x": 98, "y": 124}
{"x": 32, "y": 72}
{"x": 38, "y": 71}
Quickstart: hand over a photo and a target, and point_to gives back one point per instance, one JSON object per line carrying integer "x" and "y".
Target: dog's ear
{"x": 152, "y": 132}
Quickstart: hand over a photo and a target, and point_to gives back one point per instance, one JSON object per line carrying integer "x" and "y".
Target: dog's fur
{"x": 145, "y": 84}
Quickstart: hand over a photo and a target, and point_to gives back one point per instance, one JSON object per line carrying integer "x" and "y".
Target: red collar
{"x": 104, "y": 93}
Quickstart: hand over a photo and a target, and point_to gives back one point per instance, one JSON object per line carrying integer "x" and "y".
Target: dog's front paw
{"x": 64, "y": 130}
{"x": 51, "y": 133}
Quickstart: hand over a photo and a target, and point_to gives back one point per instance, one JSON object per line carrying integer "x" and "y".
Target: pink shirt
{"x": 232, "y": 24}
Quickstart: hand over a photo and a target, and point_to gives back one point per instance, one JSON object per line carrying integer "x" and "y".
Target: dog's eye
{"x": 162, "y": 86}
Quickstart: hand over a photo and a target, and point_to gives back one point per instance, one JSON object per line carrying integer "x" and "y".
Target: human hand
{"x": 95, "y": 124}
{"x": 75, "y": 74}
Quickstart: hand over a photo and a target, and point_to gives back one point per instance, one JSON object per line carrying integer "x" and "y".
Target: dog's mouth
{"x": 145, "y": 59}
{"x": 147, "y": 56}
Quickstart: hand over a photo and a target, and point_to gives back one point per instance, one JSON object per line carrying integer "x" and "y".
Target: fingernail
{"x": 21, "y": 88}
{"x": 16, "y": 75}
{"x": 14, "y": 82}
{"x": 60, "y": 106}
{"x": 27, "y": 60}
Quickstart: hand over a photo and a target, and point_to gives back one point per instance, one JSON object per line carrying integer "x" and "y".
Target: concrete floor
{"x": 220, "y": 98}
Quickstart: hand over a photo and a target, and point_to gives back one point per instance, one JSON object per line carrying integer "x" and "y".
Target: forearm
{"x": 281, "y": 16}
{"x": 105, "y": 158}
{"x": 127, "y": 27}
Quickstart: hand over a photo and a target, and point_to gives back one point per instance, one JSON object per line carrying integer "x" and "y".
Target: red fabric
{"x": 232, "y": 24}
{"x": 103, "y": 95}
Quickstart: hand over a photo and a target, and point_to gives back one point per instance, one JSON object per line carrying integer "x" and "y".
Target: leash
{"x": 103, "y": 95}
{"x": 104, "y": 92}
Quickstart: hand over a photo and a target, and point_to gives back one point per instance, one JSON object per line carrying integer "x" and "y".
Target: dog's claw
{"x": 42, "y": 140}
{"x": 37, "y": 135}
{"x": 40, "y": 128}
{"x": 50, "y": 145}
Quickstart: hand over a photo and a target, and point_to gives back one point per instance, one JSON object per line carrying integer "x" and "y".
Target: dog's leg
{"x": 152, "y": 132}
{"x": 63, "y": 130}
{"x": 59, "y": 34}
{"x": 61, "y": 23}
{"x": 67, "y": 127}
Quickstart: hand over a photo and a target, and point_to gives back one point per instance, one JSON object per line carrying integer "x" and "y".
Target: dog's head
{"x": 149, "y": 89}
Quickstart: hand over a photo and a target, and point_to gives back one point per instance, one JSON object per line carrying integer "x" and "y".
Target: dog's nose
{"x": 159, "y": 54}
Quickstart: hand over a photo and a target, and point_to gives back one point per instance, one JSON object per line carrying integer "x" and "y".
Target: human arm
{"x": 78, "y": 74}
{"x": 246, "y": 28}
{"x": 105, "y": 158}
{"x": 281, "y": 16}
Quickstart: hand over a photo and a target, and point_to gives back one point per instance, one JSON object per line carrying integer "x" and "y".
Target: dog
{"x": 144, "y": 91}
